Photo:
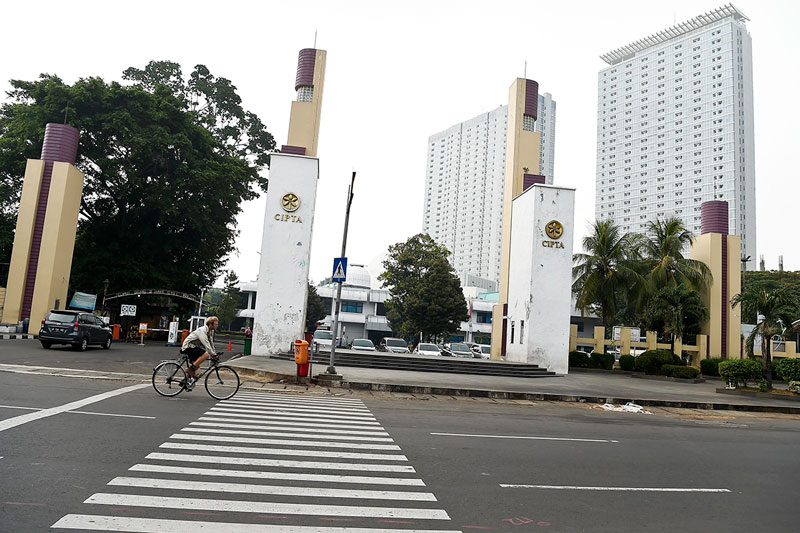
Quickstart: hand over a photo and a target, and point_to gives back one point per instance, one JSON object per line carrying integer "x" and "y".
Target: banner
{"x": 81, "y": 300}
{"x": 173, "y": 333}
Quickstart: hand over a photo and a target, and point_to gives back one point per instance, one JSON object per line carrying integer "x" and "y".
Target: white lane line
{"x": 624, "y": 489}
{"x": 281, "y": 417}
{"x": 285, "y": 490}
{"x": 199, "y": 504}
{"x": 76, "y": 412}
{"x": 262, "y": 474}
{"x": 298, "y": 413}
{"x": 267, "y": 403}
{"x": 308, "y": 465}
{"x": 30, "y": 417}
{"x": 521, "y": 437}
{"x": 303, "y": 426}
{"x": 288, "y": 407}
{"x": 282, "y": 451}
{"x": 287, "y": 442}
{"x": 300, "y": 398}
{"x": 155, "y": 525}
{"x": 22, "y": 408}
{"x": 282, "y": 432}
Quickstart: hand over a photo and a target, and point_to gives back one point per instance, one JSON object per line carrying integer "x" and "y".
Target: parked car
{"x": 393, "y": 345}
{"x": 426, "y": 348}
{"x": 485, "y": 351}
{"x": 362, "y": 345}
{"x": 459, "y": 349}
{"x": 78, "y": 328}
{"x": 323, "y": 337}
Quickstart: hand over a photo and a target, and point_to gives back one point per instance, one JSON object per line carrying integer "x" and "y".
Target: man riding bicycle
{"x": 199, "y": 345}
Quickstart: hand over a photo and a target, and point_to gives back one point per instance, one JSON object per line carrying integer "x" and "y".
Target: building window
{"x": 483, "y": 317}
{"x": 352, "y": 307}
{"x": 512, "y": 332}
{"x": 521, "y": 330}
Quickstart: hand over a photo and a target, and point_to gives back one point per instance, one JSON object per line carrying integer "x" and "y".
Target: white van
{"x": 323, "y": 337}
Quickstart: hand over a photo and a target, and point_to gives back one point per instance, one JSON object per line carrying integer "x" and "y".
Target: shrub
{"x": 651, "y": 361}
{"x": 788, "y": 369}
{"x": 678, "y": 371}
{"x": 794, "y": 386}
{"x": 626, "y": 362}
{"x": 601, "y": 360}
{"x": 710, "y": 367}
{"x": 578, "y": 359}
{"x": 740, "y": 371}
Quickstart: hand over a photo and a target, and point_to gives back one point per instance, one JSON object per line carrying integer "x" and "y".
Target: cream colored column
{"x": 305, "y": 116}
{"x": 708, "y": 249}
{"x": 58, "y": 242}
{"x": 20, "y": 253}
{"x": 734, "y": 288}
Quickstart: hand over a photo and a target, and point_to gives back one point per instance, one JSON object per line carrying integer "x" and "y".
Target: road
{"x": 306, "y": 463}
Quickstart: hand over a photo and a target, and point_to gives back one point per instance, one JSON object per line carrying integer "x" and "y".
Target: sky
{"x": 399, "y": 72}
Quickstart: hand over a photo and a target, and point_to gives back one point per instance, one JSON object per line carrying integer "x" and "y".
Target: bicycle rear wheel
{"x": 168, "y": 378}
{"x": 222, "y": 382}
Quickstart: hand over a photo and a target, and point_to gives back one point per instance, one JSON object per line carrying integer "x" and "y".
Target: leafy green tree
{"x": 167, "y": 161}
{"x": 663, "y": 250}
{"x": 315, "y": 310}
{"x": 226, "y": 309}
{"x": 425, "y": 291}
{"x": 677, "y": 311}
{"x": 777, "y": 310}
{"x": 606, "y": 279}
{"x": 769, "y": 281}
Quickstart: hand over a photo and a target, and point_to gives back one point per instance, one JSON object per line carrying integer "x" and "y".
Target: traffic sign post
{"x": 142, "y": 330}
{"x": 339, "y": 269}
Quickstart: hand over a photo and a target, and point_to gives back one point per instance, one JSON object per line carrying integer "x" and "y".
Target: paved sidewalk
{"x": 577, "y": 386}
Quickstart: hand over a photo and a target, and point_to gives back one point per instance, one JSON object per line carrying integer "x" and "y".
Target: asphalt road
{"x": 51, "y": 466}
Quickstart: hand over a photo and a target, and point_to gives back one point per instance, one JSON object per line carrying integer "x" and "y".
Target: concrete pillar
{"x": 651, "y": 338}
{"x": 573, "y": 337}
{"x": 625, "y": 341}
{"x": 599, "y": 339}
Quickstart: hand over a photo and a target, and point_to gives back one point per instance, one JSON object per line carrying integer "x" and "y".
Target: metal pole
{"x": 200, "y": 307}
{"x": 338, "y": 301}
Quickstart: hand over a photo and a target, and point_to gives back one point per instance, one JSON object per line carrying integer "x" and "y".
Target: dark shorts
{"x": 193, "y": 352}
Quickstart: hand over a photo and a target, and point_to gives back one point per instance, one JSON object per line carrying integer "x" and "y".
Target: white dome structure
{"x": 358, "y": 276}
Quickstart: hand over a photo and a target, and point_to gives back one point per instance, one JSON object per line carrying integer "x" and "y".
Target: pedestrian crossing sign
{"x": 339, "y": 269}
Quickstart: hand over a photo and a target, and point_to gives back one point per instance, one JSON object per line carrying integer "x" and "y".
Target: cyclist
{"x": 199, "y": 345}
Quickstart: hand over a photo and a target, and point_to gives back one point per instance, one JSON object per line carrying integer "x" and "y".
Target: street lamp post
{"x": 105, "y": 290}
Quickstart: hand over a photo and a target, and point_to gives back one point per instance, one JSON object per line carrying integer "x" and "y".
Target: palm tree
{"x": 663, "y": 249}
{"x": 773, "y": 308}
{"x": 676, "y": 308}
{"x": 606, "y": 273}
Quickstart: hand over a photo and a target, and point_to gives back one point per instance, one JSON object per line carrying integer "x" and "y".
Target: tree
{"x": 167, "y": 163}
{"x": 777, "y": 309}
{"x": 315, "y": 310}
{"x": 663, "y": 249}
{"x": 425, "y": 292}
{"x": 676, "y": 311}
{"x": 605, "y": 276}
{"x": 226, "y": 310}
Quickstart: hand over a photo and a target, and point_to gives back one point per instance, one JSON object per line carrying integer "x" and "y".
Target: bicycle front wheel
{"x": 168, "y": 379}
{"x": 222, "y": 382}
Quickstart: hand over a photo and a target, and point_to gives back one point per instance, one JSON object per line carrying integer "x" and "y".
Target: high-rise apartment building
{"x": 675, "y": 126}
{"x": 464, "y": 186}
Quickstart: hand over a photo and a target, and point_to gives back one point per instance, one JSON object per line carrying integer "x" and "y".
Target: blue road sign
{"x": 339, "y": 269}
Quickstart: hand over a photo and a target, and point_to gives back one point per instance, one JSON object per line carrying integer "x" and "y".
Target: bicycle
{"x": 170, "y": 378}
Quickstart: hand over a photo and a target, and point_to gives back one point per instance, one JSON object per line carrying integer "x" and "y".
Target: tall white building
{"x": 464, "y": 186}
{"x": 675, "y": 126}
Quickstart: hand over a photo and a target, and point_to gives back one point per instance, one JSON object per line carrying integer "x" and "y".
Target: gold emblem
{"x": 554, "y": 229}
{"x": 290, "y": 202}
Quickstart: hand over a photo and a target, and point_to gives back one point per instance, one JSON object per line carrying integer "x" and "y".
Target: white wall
{"x": 285, "y": 250}
{"x": 540, "y": 278}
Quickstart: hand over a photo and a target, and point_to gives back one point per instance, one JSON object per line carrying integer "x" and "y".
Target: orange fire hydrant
{"x": 301, "y": 357}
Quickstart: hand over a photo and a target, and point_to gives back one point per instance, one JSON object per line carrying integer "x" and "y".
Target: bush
{"x": 678, "y": 371}
{"x": 651, "y": 361}
{"x": 579, "y": 359}
{"x": 626, "y": 362}
{"x": 794, "y": 386}
{"x": 710, "y": 367}
{"x": 740, "y": 371}
{"x": 601, "y": 360}
{"x": 788, "y": 369}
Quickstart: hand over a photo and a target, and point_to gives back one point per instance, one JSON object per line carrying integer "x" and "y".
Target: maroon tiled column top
{"x": 528, "y": 180}
{"x": 532, "y": 98}
{"x": 305, "y": 68}
{"x": 714, "y": 217}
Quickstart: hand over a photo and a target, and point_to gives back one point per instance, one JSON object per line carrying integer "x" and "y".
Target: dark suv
{"x": 77, "y": 328}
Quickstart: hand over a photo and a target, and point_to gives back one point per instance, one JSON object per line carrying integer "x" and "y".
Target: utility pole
{"x": 338, "y": 302}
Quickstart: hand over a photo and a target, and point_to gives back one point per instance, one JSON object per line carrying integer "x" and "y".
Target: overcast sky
{"x": 400, "y": 72}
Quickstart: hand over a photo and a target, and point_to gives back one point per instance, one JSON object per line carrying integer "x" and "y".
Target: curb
{"x": 758, "y": 394}
{"x": 668, "y": 378}
{"x": 18, "y": 336}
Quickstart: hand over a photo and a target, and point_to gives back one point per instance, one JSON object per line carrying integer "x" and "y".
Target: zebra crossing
{"x": 270, "y": 462}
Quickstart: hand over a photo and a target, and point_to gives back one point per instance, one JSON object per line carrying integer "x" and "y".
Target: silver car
{"x": 323, "y": 337}
{"x": 459, "y": 349}
{"x": 362, "y": 345}
{"x": 425, "y": 348}
{"x": 394, "y": 345}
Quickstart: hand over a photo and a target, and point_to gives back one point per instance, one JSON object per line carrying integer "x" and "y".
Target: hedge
{"x": 601, "y": 360}
{"x": 678, "y": 371}
{"x": 740, "y": 371}
{"x": 788, "y": 369}
{"x": 651, "y": 361}
{"x": 710, "y": 367}
{"x": 626, "y": 362}
{"x": 579, "y": 359}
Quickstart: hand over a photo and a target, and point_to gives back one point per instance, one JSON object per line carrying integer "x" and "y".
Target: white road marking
{"x": 309, "y": 465}
{"x": 521, "y": 437}
{"x": 300, "y": 398}
{"x": 298, "y": 413}
{"x": 22, "y": 408}
{"x": 283, "y": 432}
{"x": 624, "y": 489}
{"x": 259, "y": 474}
{"x": 249, "y": 488}
{"x": 30, "y": 417}
{"x": 236, "y": 402}
{"x": 76, "y": 412}
{"x": 269, "y": 407}
{"x": 287, "y": 442}
{"x": 298, "y": 426}
{"x": 283, "y": 451}
{"x": 286, "y": 417}
{"x": 199, "y": 504}
{"x": 154, "y": 525}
